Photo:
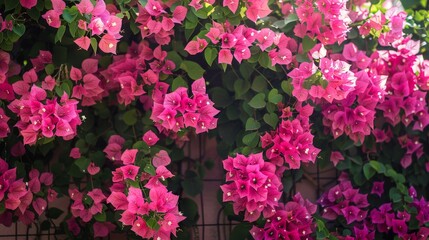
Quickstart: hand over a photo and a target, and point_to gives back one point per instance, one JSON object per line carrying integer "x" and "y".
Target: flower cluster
{"x": 155, "y": 22}
{"x": 292, "y": 220}
{"x": 4, "y": 127}
{"x": 326, "y": 20}
{"x": 239, "y": 40}
{"x": 86, "y": 205}
{"x": 4, "y": 65}
{"x": 5, "y": 24}
{"x": 176, "y": 110}
{"x": 87, "y": 88}
{"x": 99, "y": 20}
{"x": 24, "y": 199}
{"x": 343, "y": 200}
{"x": 42, "y": 117}
{"x": 139, "y": 67}
{"x": 331, "y": 81}
{"x": 148, "y": 207}
{"x": 254, "y": 187}
{"x": 386, "y": 219}
{"x": 292, "y": 141}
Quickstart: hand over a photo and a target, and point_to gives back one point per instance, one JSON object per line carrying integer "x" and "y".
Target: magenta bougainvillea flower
{"x": 292, "y": 142}
{"x": 254, "y": 186}
{"x": 292, "y": 220}
{"x": 154, "y": 201}
{"x": 175, "y": 111}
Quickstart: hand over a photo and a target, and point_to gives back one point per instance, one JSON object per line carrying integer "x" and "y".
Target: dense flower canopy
{"x": 99, "y": 97}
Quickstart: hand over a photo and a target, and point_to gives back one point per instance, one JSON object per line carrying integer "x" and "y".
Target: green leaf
{"x": 258, "y": 101}
{"x": 60, "y": 33}
{"x": 94, "y": 44}
{"x": 73, "y": 29}
{"x": 409, "y": 4}
{"x": 54, "y": 212}
{"x": 252, "y": 124}
{"x": 287, "y": 86}
{"x": 70, "y": 14}
{"x": 130, "y": 117}
{"x": 251, "y": 139}
{"x": 377, "y": 166}
{"x": 63, "y": 88}
{"x": 33, "y": 13}
{"x": 289, "y": 19}
{"x": 175, "y": 57}
{"x": 368, "y": 171}
{"x": 271, "y": 119}
{"x": 220, "y": 97}
{"x": 178, "y": 82}
{"x": 9, "y": 5}
{"x": 210, "y": 55}
{"x": 19, "y": 29}
{"x": 264, "y": 60}
{"x": 241, "y": 231}
{"x": 150, "y": 169}
{"x": 82, "y": 163}
{"x": 307, "y": 43}
{"x": 302, "y": 58}
{"x": 49, "y": 69}
{"x": 100, "y": 217}
{"x": 395, "y": 195}
{"x": 153, "y": 224}
{"x": 274, "y": 96}
{"x": 259, "y": 84}
{"x": 193, "y": 69}
{"x": 241, "y": 87}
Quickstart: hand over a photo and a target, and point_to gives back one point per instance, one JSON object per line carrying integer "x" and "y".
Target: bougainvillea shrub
{"x": 99, "y": 98}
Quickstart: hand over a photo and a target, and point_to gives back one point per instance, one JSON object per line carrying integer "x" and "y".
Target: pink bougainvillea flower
{"x": 18, "y": 149}
{"x": 108, "y": 44}
{"x": 225, "y": 56}
{"x": 118, "y": 200}
{"x": 85, "y": 7}
{"x": 97, "y": 195}
{"x": 179, "y": 14}
{"x": 49, "y": 83}
{"x": 102, "y": 229}
{"x": 46, "y": 178}
{"x": 30, "y": 76}
{"x": 96, "y": 26}
{"x": 150, "y": 138}
{"x": 83, "y": 42}
{"x": 58, "y": 6}
{"x": 196, "y": 46}
{"x": 52, "y": 18}
{"x": 39, "y": 205}
{"x": 336, "y": 157}
{"x": 199, "y": 86}
{"x": 93, "y": 169}
{"x": 231, "y": 4}
{"x": 377, "y": 188}
{"x": 130, "y": 172}
{"x": 28, "y": 3}
{"x": 129, "y": 156}
{"x": 258, "y": 9}
{"x": 161, "y": 159}
{"x": 113, "y": 25}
